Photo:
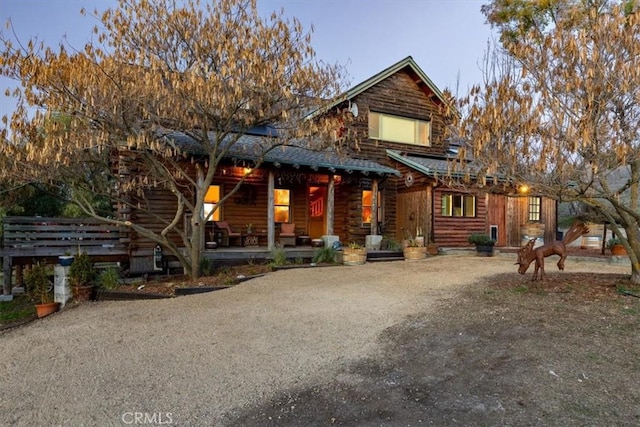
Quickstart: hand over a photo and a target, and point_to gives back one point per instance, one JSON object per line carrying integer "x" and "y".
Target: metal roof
{"x": 430, "y": 166}
{"x": 251, "y": 147}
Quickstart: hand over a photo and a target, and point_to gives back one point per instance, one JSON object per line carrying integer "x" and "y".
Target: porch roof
{"x": 251, "y": 147}
{"x": 430, "y": 166}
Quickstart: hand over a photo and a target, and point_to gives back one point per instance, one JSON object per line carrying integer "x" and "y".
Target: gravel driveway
{"x": 204, "y": 359}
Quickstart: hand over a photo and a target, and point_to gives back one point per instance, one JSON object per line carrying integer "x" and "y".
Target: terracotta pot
{"x": 82, "y": 293}
{"x": 47, "y": 308}
{"x": 618, "y": 250}
{"x": 414, "y": 252}
{"x": 433, "y": 249}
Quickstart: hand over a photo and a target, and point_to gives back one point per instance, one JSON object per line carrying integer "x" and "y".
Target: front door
{"x": 317, "y": 203}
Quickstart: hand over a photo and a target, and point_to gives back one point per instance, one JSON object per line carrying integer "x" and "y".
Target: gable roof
{"x": 356, "y": 90}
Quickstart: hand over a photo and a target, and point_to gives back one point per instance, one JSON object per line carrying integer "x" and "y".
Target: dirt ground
{"x": 452, "y": 340}
{"x": 501, "y": 352}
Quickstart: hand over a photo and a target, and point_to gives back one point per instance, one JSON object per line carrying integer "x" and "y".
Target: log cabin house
{"x": 390, "y": 182}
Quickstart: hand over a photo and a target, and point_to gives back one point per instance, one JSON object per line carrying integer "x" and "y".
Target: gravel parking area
{"x": 204, "y": 359}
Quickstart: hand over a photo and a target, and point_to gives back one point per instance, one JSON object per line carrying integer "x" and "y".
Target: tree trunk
{"x": 196, "y": 251}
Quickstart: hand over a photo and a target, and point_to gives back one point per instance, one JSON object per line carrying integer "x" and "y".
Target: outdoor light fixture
{"x": 523, "y": 189}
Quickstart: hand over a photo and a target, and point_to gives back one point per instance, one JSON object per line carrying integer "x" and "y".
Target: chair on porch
{"x": 228, "y": 234}
{"x": 288, "y": 234}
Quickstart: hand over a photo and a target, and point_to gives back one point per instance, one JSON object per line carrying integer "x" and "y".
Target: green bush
{"x": 325, "y": 254}
{"x": 108, "y": 279}
{"x": 81, "y": 272}
{"x": 481, "y": 239}
{"x": 278, "y": 256}
{"x": 38, "y": 283}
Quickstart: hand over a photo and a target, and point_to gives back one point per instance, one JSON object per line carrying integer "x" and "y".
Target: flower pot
{"x": 47, "y": 308}
{"x": 210, "y": 245}
{"x": 414, "y": 252}
{"x": 618, "y": 250}
{"x": 354, "y": 256}
{"x": 433, "y": 249}
{"x": 83, "y": 293}
{"x": 484, "y": 250}
{"x": 65, "y": 260}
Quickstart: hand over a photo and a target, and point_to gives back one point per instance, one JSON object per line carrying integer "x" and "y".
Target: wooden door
{"x": 317, "y": 211}
{"x": 413, "y": 213}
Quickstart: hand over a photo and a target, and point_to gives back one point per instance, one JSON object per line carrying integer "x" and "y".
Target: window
{"x": 367, "y": 206}
{"x": 399, "y": 129}
{"x": 458, "y": 205}
{"x": 211, "y": 200}
{"x": 282, "y": 205}
{"x": 535, "y": 205}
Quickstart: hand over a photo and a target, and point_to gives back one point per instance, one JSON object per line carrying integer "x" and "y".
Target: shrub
{"x": 278, "y": 256}
{"x": 481, "y": 239}
{"x": 38, "y": 283}
{"x": 81, "y": 272}
{"x": 325, "y": 254}
{"x": 108, "y": 279}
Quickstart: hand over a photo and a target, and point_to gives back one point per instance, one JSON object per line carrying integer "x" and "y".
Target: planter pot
{"x": 47, "y": 308}
{"x": 83, "y": 293}
{"x": 211, "y": 245}
{"x": 618, "y": 250}
{"x": 65, "y": 260}
{"x": 420, "y": 240}
{"x": 413, "y": 252}
{"x": 433, "y": 249}
{"x": 354, "y": 256}
{"x": 484, "y": 250}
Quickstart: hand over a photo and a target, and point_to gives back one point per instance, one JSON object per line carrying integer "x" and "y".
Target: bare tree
{"x": 561, "y": 112}
{"x": 211, "y": 72}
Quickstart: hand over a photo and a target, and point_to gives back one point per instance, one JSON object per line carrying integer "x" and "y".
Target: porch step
{"x": 378, "y": 256}
{"x": 385, "y": 259}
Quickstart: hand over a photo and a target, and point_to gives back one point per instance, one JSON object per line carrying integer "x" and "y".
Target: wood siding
{"x": 517, "y": 213}
{"x": 454, "y": 231}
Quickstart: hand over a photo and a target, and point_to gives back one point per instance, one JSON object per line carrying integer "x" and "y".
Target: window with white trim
{"x": 399, "y": 129}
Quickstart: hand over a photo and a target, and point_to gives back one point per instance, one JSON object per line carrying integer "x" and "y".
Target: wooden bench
{"x": 29, "y": 239}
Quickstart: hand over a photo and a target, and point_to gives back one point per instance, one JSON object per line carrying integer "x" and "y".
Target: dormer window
{"x": 399, "y": 129}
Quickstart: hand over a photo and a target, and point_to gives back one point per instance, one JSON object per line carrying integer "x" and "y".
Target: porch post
{"x": 374, "y": 207}
{"x": 330, "y": 205}
{"x": 271, "y": 229}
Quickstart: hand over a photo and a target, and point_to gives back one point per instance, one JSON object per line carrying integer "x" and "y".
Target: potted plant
{"x": 39, "y": 285}
{"x": 354, "y": 254}
{"x": 414, "y": 250}
{"x": 211, "y": 243}
{"x": 616, "y": 247}
{"x": 81, "y": 276}
{"x": 484, "y": 243}
{"x": 66, "y": 259}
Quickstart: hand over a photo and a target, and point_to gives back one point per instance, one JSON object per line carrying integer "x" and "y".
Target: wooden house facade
{"x": 390, "y": 182}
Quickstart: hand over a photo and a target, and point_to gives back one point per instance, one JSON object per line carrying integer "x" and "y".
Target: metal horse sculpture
{"x": 528, "y": 253}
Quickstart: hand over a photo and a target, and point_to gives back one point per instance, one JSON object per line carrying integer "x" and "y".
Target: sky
{"x": 446, "y": 38}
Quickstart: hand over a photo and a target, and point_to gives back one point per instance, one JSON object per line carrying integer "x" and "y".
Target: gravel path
{"x": 198, "y": 360}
